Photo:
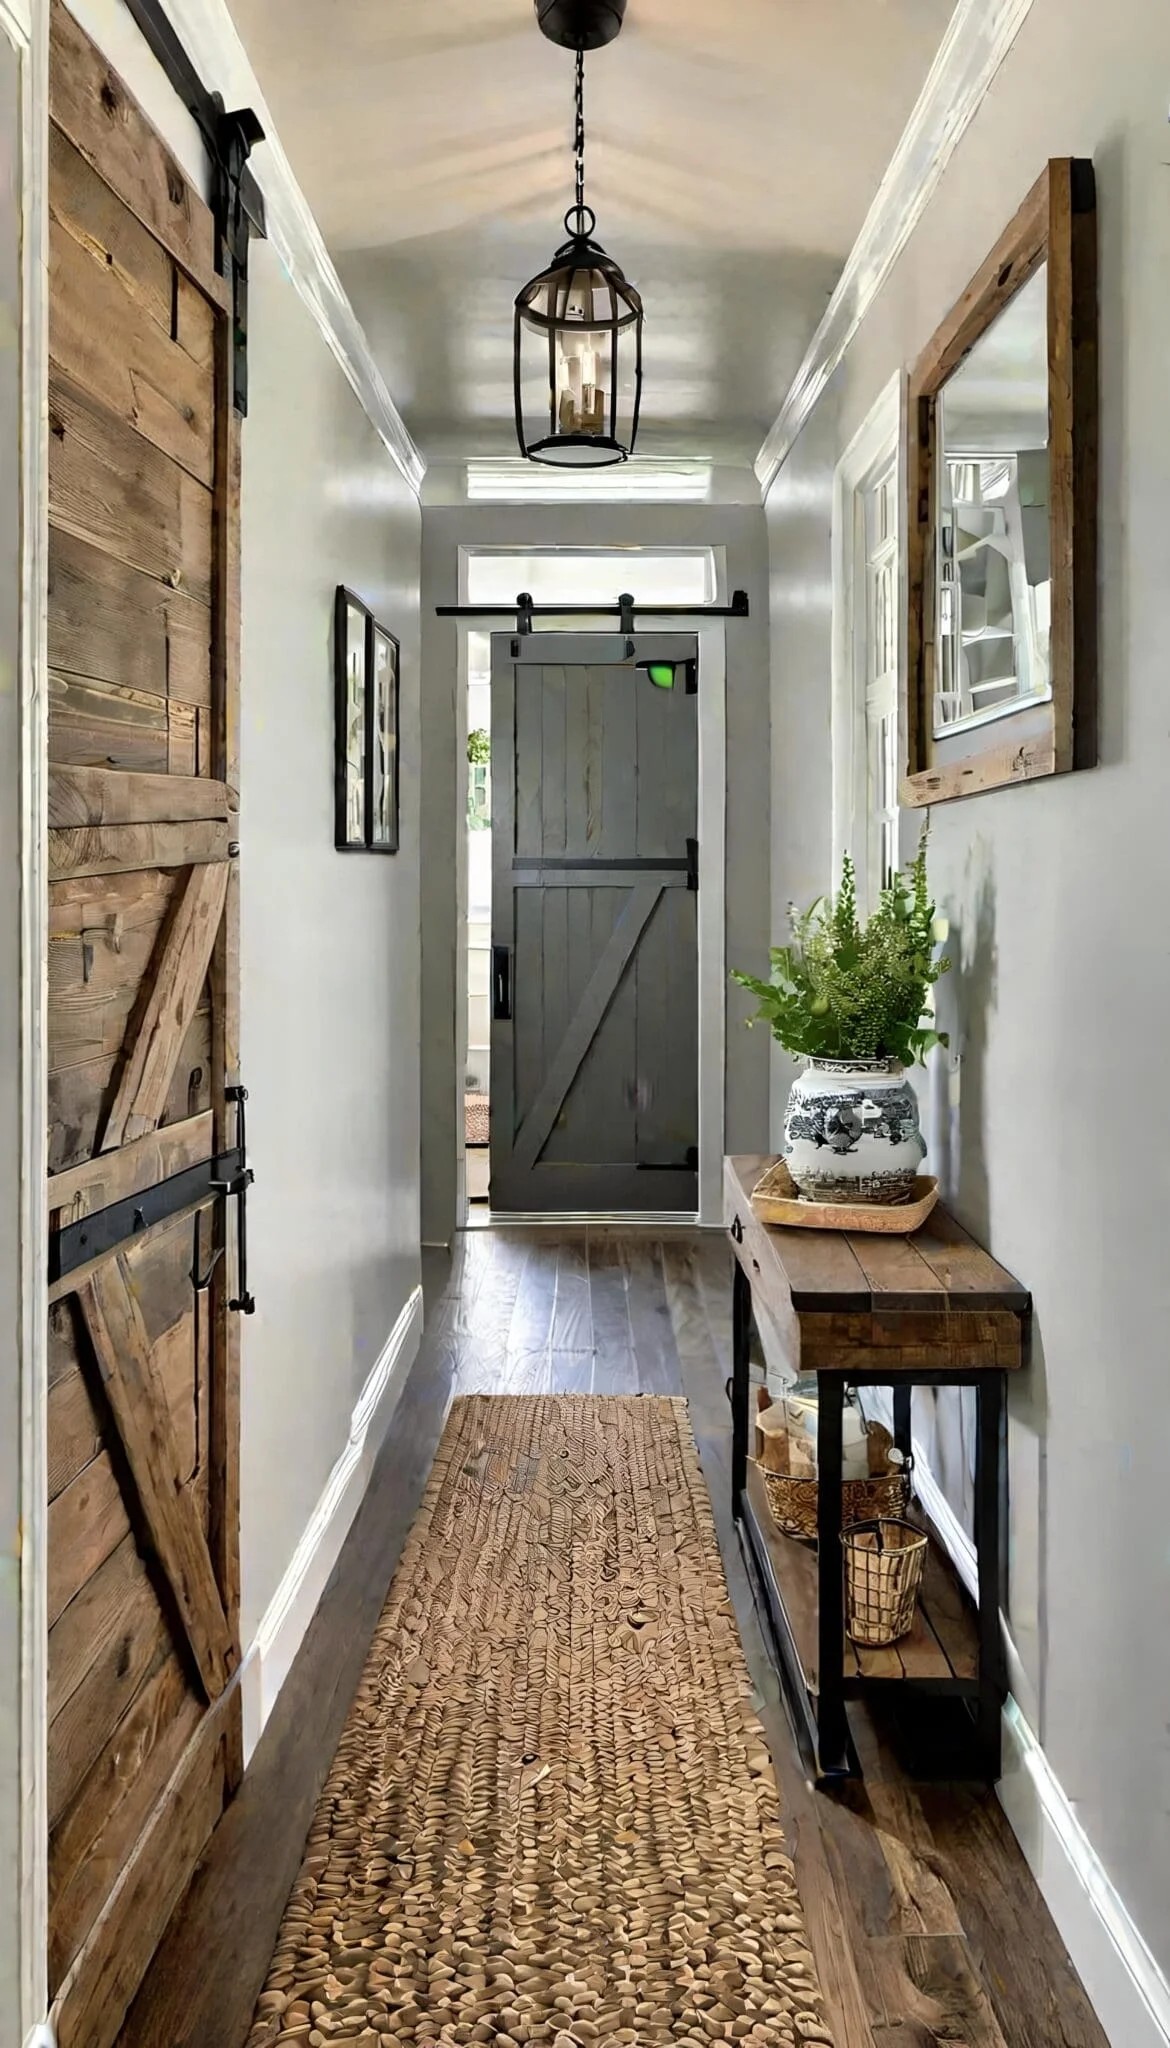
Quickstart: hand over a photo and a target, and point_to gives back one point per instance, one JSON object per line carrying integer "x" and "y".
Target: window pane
{"x": 593, "y": 576}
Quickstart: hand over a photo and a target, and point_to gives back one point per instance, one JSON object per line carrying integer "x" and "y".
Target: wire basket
{"x": 884, "y": 1562}
{"x": 794, "y": 1501}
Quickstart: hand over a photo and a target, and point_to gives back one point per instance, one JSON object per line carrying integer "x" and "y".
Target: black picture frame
{"x": 365, "y": 748}
{"x": 382, "y": 778}
{"x": 351, "y": 721}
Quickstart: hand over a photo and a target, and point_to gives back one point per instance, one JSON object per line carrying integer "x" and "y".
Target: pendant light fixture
{"x": 578, "y": 330}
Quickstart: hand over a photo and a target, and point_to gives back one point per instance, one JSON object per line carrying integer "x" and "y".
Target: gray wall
{"x": 740, "y": 530}
{"x": 1051, "y": 1127}
{"x": 799, "y": 511}
{"x": 330, "y": 942}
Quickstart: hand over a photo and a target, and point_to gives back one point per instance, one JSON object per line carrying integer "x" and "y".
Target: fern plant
{"x": 843, "y": 990}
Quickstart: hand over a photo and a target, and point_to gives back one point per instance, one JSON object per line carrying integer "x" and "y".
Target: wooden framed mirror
{"x": 1002, "y": 487}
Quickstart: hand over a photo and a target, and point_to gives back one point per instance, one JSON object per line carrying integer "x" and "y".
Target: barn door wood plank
{"x": 114, "y": 796}
{"x": 111, "y": 1176}
{"x": 147, "y": 1437}
{"x": 90, "y": 104}
{"x": 96, "y": 1994}
{"x": 78, "y": 850}
{"x": 584, "y": 1024}
{"x": 118, "y": 625}
{"x": 102, "y": 339}
{"x": 183, "y": 960}
{"x": 93, "y": 1841}
{"x": 112, "y": 488}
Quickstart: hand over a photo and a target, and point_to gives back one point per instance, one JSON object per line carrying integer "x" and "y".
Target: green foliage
{"x": 479, "y": 747}
{"x": 846, "y": 991}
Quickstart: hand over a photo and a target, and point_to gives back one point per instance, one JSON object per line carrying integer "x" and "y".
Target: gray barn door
{"x": 594, "y": 1069}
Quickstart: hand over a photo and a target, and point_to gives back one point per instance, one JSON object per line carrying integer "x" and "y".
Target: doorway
{"x": 594, "y": 961}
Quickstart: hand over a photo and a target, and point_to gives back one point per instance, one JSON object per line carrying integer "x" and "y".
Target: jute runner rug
{"x": 552, "y": 1817}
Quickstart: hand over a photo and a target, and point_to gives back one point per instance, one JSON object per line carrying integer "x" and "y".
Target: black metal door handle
{"x": 501, "y": 983}
{"x": 243, "y": 1304}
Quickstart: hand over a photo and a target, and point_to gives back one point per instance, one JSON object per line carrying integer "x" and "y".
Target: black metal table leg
{"x": 989, "y": 1397}
{"x": 832, "y": 1727}
{"x": 903, "y": 1432}
{"x": 741, "y": 1335}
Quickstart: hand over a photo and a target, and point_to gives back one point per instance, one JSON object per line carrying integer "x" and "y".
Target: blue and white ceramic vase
{"x": 851, "y": 1132}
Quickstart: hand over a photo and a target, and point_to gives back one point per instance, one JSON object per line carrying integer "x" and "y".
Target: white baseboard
{"x": 1128, "y": 1991}
{"x": 270, "y": 1655}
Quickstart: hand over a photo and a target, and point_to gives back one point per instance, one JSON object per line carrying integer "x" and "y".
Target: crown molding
{"x": 978, "y": 37}
{"x": 212, "y": 42}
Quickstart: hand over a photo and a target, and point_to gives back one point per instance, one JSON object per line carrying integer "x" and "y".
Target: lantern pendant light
{"x": 578, "y": 330}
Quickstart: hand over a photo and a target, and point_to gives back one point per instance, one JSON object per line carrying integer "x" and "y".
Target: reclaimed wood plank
{"x": 111, "y": 1176}
{"x": 112, "y": 488}
{"x": 97, "y": 1991}
{"x": 181, "y": 969}
{"x": 102, "y": 339}
{"x": 123, "y": 849}
{"x": 87, "y": 1521}
{"x": 79, "y": 1096}
{"x": 91, "y": 1843}
{"x": 147, "y": 1439}
{"x": 102, "y": 725}
{"x": 116, "y": 624}
{"x": 73, "y": 1424}
{"x": 109, "y": 796}
{"x": 92, "y": 1619}
{"x": 90, "y": 104}
{"x": 121, "y": 1661}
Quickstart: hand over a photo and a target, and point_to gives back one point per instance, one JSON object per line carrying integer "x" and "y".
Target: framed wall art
{"x": 365, "y": 667}
{"x": 351, "y": 622}
{"x": 382, "y": 755}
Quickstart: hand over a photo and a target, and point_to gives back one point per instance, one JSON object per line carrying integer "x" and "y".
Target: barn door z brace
{"x": 237, "y": 201}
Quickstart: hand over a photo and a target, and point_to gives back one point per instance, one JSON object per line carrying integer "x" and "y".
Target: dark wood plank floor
{"x": 924, "y": 1917}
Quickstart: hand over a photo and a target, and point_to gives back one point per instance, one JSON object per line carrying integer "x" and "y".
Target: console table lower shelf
{"x": 940, "y": 1656}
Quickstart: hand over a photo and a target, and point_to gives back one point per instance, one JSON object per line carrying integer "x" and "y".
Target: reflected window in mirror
{"x": 994, "y": 600}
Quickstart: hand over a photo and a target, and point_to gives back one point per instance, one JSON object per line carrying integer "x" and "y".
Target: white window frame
{"x": 858, "y": 704}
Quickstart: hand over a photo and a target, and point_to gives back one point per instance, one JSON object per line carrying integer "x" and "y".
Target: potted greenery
{"x": 851, "y": 1000}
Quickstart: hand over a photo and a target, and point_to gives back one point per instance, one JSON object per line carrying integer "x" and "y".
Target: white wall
{"x": 330, "y": 942}
{"x": 1053, "y": 1134}
{"x": 739, "y": 529}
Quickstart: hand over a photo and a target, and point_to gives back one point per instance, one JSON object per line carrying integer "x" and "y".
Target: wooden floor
{"x": 926, "y": 1923}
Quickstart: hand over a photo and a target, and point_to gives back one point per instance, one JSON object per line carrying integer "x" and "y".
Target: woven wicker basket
{"x": 794, "y": 1501}
{"x": 884, "y": 1561}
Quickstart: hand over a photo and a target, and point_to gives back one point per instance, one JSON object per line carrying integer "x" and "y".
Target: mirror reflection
{"x": 994, "y": 592}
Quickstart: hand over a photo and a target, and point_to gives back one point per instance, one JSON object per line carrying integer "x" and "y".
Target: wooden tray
{"x": 775, "y": 1200}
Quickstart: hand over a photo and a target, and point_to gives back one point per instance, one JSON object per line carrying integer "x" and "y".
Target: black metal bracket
{"x": 237, "y": 201}
{"x": 99, "y": 1235}
{"x": 625, "y": 611}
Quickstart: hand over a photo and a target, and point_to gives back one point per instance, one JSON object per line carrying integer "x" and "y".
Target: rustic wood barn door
{"x": 144, "y": 1731}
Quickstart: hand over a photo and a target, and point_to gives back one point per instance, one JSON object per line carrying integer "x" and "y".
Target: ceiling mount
{"x": 580, "y": 24}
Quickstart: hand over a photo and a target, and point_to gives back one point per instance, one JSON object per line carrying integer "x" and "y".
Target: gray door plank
{"x": 640, "y": 907}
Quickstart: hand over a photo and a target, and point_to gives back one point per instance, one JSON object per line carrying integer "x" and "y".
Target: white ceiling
{"x": 734, "y": 147}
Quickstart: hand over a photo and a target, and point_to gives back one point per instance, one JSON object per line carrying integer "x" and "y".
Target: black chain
{"x": 579, "y": 132}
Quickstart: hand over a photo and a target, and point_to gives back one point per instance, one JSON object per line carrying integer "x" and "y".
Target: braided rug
{"x": 551, "y": 1817}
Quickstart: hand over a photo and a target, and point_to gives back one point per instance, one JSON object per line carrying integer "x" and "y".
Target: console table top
{"x": 939, "y": 1273}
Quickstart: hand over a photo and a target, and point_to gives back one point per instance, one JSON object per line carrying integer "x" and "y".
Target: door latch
{"x": 244, "y": 1303}
{"x": 501, "y": 983}
{"x": 693, "y": 865}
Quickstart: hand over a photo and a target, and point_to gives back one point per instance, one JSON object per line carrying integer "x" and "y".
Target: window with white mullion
{"x": 880, "y": 670}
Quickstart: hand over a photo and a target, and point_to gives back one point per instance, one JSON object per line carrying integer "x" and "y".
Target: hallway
{"x": 925, "y": 1923}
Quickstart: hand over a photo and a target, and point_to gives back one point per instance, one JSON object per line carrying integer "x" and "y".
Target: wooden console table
{"x": 866, "y": 1310}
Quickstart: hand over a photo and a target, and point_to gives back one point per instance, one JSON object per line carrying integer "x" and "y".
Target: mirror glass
{"x": 994, "y": 593}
